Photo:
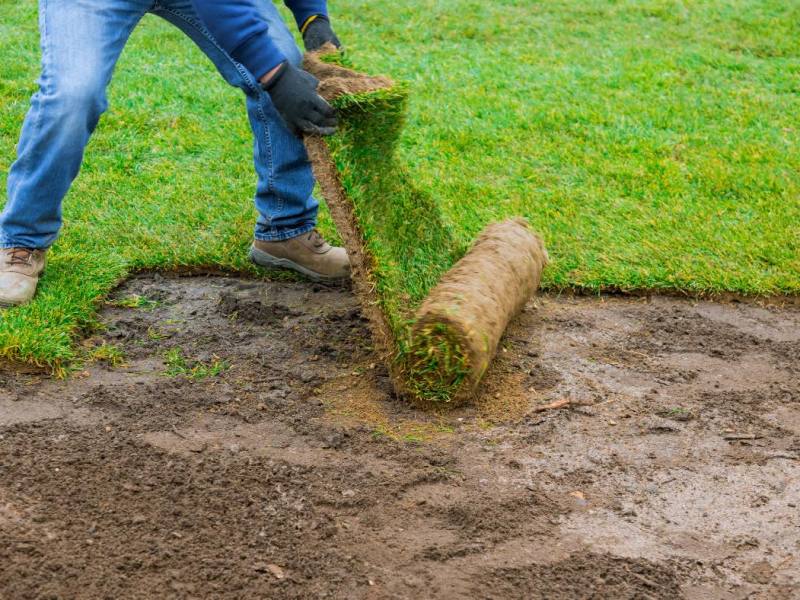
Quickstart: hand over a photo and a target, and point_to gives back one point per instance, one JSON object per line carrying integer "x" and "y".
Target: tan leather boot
{"x": 20, "y": 269}
{"x": 307, "y": 253}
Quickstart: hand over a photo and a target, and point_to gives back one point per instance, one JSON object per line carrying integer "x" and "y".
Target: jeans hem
{"x": 5, "y": 243}
{"x": 279, "y": 235}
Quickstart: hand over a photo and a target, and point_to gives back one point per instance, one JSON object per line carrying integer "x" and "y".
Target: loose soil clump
{"x": 250, "y": 445}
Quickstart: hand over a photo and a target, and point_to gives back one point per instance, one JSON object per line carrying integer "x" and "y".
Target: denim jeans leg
{"x": 284, "y": 200}
{"x": 81, "y": 42}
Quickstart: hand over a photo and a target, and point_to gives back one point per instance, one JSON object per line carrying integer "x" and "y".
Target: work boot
{"x": 308, "y": 253}
{"x": 20, "y": 269}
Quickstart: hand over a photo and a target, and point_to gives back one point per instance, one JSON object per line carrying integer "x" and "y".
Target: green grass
{"x": 176, "y": 364}
{"x": 654, "y": 144}
{"x": 108, "y": 354}
{"x": 134, "y": 301}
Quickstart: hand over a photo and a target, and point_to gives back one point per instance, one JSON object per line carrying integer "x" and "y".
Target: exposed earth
{"x": 248, "y": 446}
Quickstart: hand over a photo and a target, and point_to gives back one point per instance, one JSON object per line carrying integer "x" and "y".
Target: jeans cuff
{"x": 273, "y": 234}
{"x": 5, "y": 245}
{"x": 7, "y": 242}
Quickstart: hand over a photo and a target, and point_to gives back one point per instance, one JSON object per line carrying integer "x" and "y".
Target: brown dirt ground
{"x": 673, "y": 472}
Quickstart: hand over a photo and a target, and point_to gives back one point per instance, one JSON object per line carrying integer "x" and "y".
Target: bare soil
{"x": 275, "y": 463}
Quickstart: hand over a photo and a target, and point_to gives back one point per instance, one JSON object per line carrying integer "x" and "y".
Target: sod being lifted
{"x": 438, "y": 355}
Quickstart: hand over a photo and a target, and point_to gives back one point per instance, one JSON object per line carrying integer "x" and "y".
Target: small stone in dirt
{"x": 580, "y": 498}
{"x": 276, "y": 571}
{"x": 262, "y": 567}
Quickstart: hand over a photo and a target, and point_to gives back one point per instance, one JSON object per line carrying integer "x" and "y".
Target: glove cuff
{"x": 310, "y": 20}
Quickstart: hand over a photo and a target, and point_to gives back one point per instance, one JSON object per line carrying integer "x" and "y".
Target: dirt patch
{"x": 584, "y": 576}
{"x": 251, "y": 446}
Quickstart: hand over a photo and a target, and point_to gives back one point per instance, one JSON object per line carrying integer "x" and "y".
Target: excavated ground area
{"x": 250, "y": 447}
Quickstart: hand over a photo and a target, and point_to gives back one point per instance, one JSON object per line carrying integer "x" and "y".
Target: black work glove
{"x": 294, "y": 94}
{"x": 318, "y": 32}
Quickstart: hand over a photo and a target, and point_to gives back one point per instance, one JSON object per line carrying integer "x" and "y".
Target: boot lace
{"x": 315, "y": 237}
{"x": 20, "y": 256}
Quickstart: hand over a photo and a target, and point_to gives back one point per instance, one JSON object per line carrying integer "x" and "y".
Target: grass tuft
{"x": 177, "y": 364}
{"x": 107, "y": 353}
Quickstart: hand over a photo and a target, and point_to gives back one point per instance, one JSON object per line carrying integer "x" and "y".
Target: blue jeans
{"x": 81, "y": 41}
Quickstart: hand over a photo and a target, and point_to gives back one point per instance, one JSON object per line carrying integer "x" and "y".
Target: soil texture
{"x": 247, "y": 444}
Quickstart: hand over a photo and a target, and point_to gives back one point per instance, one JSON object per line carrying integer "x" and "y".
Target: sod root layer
{"x": 250, "y": 447}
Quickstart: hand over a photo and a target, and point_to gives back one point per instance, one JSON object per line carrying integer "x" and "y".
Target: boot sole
{"x": 262, "y": 259}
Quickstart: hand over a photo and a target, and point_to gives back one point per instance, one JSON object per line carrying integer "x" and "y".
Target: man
{"x": 81, "y": 42}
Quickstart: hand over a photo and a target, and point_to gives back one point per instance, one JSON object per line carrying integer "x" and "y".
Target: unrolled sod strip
{"x": 459, "y": 326}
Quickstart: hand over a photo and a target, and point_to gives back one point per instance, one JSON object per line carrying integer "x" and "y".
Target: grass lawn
{"x": 654, "y": 144}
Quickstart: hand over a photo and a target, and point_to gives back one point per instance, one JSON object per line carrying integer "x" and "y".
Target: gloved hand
{"x": 294, "y": 94}
{"x": 318, "y": 32}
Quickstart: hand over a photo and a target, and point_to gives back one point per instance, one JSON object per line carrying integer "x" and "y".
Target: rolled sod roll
{"x": 458, "y": 327}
